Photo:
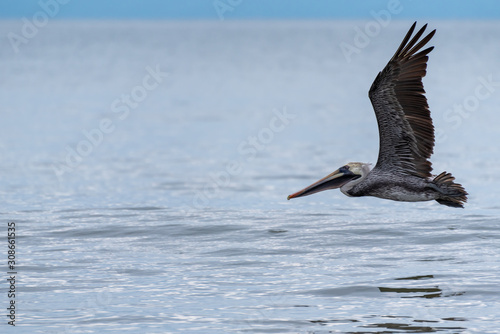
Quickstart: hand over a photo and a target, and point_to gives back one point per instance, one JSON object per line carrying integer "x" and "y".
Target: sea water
{"x": 146, "y": 167}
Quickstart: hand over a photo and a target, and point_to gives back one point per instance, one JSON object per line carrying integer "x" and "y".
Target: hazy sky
{"x": 249, "y": 9}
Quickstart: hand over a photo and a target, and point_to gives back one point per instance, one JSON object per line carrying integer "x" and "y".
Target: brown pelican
{"x": 406, "y": 134}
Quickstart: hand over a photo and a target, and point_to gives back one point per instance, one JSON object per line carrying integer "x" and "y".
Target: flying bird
{"x": 406, "y": 134}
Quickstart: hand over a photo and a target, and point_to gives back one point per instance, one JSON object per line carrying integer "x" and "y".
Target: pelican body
{"x": 406, "y": 133}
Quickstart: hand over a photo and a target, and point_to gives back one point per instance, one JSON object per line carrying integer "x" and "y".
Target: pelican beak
{"x": 333, "y": 181}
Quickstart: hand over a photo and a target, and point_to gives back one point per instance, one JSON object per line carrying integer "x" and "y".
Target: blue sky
{"x": 248, "y": 9}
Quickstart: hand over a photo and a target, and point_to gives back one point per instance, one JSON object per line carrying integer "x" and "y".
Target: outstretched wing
{"x": 403, "y": 116}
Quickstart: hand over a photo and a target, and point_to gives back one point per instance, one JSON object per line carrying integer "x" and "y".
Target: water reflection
{"x": 411, "y": 328}
{"x": 419, "y": 291}
{"x": 422, "y": 321}
{"x": 410, "y": 324}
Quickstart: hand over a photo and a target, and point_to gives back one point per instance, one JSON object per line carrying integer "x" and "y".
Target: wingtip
{"x": 421, "y": 30}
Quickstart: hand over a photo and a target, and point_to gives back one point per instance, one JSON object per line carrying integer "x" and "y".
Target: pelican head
{"x": 344, "y": 178}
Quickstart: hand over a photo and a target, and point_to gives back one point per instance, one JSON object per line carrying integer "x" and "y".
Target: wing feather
{"x": 397, "y": 95}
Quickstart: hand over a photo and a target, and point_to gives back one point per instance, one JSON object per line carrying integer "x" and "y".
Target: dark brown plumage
{"x": 403, "y": 116}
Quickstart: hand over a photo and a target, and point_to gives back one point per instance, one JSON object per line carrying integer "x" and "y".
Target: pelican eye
{"x": 344, "y": 169}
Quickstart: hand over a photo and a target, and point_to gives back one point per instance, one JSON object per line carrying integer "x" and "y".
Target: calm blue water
{"x": 146, "y": 166}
